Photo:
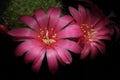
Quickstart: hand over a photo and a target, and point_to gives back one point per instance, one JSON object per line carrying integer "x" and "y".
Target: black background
{"x": 103, "y": 67}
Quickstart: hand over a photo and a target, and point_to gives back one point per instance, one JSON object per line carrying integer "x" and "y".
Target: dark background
{"x": 103, "y": 67}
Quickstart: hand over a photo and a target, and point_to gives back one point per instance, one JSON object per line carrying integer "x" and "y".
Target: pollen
{"x": 91, "y": 40}
{"x": 88, "y": 31}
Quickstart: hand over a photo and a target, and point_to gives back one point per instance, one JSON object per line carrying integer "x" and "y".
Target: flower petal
{"x": 26, "y": 46}
{"x": 38, "y": 61}
{"x": 32, "y": 54}
{"x": 85, "y": 51}
{"x": 104, "y": 31}
{"x": 94, "y": 51}
{"x": 63, "y": 21}
{"x": 70, "y": 31}
{"x": 23, "y": 33}
{"x": 102, "y": 37}
{"x": 53, "y": 14}
{"x": 50, "y": 10}
{"x": 69, "y": 45}
{"x": 51, "y": 59}
{"x": 75, "y": 14}
{"x": 3, "y": 29}
{"x": 83, "y": 15}
{"x": 101, "y": 24}
{"x": 64, "y": 55}
{"x": 41, "y": 18}
{"x": 30, "y": 21}
{"x": 94, "y": 18}
{"x": 100, "y": 45}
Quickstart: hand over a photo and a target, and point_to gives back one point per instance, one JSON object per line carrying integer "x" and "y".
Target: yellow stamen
{"x": 46, "y": 37}
{"x": 88, "y": 31}
{"x": 48, "y": 41}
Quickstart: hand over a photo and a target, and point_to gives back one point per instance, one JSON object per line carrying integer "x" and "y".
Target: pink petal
{"x": 23, "y": 32}
{"x": 104, "y": 31}
{"x": 95, "y": 15}
{"x": 75, "y": 14}
{"x": 94, "y": 51}
{"x": 85, "y": 51}
{"x": 69, "y": 45}
{"x": 50, "y": 10}
{"x": 32, "y": 54}
{"x": 100, "y": 45}
{"x": 94, "y": 18}
{"x": 26, "y": 46}
{"x": 38, "y": 61}
{"x": 83, "y": 15}
{"x": 53, "y": 14}
{"x": 99, "y": 42}
{"x": 63, "y": 21}
{"x": 103, "y": 37}
{"x": 52, "y": 61}
{"x": 101, "y": 24}
{"x": 30, "y": 21}
{"x": 3, "y": 28}
{"x": 59, "y": 59}
{"x": 64, "y": 55}
{"x": 70, "y": 31}
{"x": 41, "y": 18}
{"x": 94, "y": 21}
{"x": 115, "y": 30}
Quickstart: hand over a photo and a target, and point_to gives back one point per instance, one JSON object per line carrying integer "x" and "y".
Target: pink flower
{"x": 48, "y": 34}
{"x": 93, "y": 25}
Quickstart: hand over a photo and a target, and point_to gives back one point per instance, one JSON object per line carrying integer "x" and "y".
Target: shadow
{"x": 3, "y": 5}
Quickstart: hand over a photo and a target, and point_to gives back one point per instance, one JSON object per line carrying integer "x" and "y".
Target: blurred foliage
{"x": 24, "y": 7}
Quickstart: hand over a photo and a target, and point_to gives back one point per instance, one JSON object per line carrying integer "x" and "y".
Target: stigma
{"x": 47, "y": 36}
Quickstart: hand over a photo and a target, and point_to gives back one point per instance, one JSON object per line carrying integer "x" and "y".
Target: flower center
{"x": 47, "y": 36}
{"x": 88, "y": 31}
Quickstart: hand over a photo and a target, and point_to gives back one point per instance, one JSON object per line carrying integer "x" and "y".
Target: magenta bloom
{"x": 48, "y": 34}
{"x": 93, "y": 25}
